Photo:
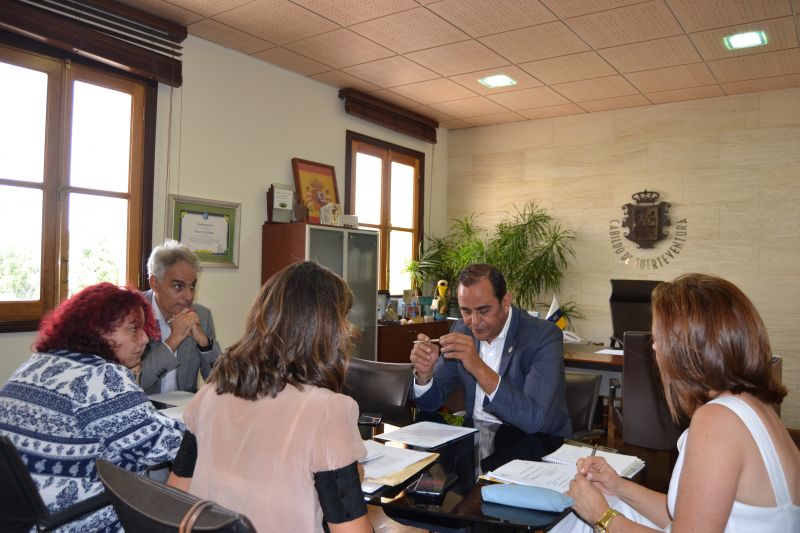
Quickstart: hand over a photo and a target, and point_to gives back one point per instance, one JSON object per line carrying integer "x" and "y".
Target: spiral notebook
{"x": 568, "y": 454}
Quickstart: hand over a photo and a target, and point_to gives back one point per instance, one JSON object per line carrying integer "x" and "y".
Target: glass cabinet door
{"x": 326, "y": 247}
{"x": 362, "y": 276}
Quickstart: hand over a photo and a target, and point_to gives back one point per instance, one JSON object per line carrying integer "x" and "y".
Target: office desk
{"x": 584, "y": 356}
{"x": 463, "y": 506}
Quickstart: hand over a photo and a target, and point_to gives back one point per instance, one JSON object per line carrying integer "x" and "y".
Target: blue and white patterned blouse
{"x": 64, "y": 410}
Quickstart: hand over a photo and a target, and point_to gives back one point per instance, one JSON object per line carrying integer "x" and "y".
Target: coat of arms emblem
{"x": 646, "y": 219}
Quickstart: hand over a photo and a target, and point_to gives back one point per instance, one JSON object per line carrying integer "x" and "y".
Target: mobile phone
{"x": 369, "y": 419}
{"x": 431, "y": 485}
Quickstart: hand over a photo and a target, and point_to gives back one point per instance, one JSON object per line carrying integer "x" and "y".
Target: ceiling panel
{"x": 631, "y": 24}
{"x": 346, "y": 12}
{"x": 646, "y": 55}
{"x": 411, "y": 30}
{"x": 457, "y": 58}
{"x": 620, "y": 102}
{"x": 479, "y": 17}
{"x": 568, "y": 56}
{"x": 665, "y": 79}
{"x": 469, "y": 107}
{"x": 438, "y": 90}
{"x": 277, "y": 21}
{"x": 569, "y": 68}
{"x": 523, "y": 79}
{"x": 392, "y": 71}
{"x": 529, "y": 98}
{"x": 584, "y": 90}
{"x": 339, "y": 48}
{"x": 691, "y": 93}
{"x": 707, "y": 14}
{"x": 292, "y": 61}
{"x": 537, "y": 42}
{"x": 219, "y": 33}
{"x": 781, "y": 34}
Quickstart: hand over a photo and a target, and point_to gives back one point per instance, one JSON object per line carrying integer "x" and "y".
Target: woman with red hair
{"x": 76, "y": 400}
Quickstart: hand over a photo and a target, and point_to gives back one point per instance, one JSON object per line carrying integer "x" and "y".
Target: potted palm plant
{"x": 529, "y": 247}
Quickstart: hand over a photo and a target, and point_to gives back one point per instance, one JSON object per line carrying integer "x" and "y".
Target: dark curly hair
{"x": 296, "y": 333}
{"x": 708, "y": 336}
{"x": 80, "y": 323}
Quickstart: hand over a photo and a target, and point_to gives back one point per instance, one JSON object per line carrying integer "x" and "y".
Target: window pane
{"x": 101, "y": 135}
{"x": 402, "y": 196}
{"x": 98, "y": 240}
{"x": 368, "y": 189}
{"x": 23, "y": 106}
{"x": 400, "y": 253}
{"x": 20, "y": 248}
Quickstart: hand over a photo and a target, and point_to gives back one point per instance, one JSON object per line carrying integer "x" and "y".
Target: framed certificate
{"x": 210, "y": 228}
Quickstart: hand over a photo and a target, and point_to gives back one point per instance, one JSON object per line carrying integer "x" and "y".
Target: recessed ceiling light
{"x": 497, "y": 80}
{"x": 745, "y": 40}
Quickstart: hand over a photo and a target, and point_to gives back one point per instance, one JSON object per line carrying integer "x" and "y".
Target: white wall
{"x": 729, "y": 165}
{"x": 236, "y": 123}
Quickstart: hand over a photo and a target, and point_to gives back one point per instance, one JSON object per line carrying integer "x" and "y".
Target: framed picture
{"x": 315, "y": 184}
{"x": 210, "y": 228}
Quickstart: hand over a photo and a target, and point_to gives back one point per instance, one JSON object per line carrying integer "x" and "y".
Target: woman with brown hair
{"x": 738, "y": 468}
{"x": 274, "y": 438}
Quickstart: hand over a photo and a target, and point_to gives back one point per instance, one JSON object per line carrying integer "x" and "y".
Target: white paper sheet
{"x": 426, "y": 434}
{"x": 177, "y": 398}
{"x": 546, "y": 475}
{"x": 609, "y": 351}
{"x": 389, "y": 460}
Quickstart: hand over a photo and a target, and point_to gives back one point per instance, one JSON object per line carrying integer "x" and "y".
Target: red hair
{"x": 80, "y": 323}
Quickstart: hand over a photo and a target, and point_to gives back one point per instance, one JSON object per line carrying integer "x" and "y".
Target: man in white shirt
{"x": 510, "y": 364}
{"x": 187, "y": 344}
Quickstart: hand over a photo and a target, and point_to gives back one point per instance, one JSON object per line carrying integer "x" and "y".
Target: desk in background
{"x": 395, "y": 341}
{"x": 582, "y": 358}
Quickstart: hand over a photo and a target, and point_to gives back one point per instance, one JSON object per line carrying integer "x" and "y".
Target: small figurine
{"x": 439, "y": 302}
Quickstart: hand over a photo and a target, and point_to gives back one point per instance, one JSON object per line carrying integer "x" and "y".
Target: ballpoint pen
{"x": 594, "y": 451}
{"x": 429, "y": 340}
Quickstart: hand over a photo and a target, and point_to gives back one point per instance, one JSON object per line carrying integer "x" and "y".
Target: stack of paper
{"x": 568, "y": 454}
{"x": 546, "y": 475}
{"x": 426, "y": 434}
{"x": 387, "y": 465}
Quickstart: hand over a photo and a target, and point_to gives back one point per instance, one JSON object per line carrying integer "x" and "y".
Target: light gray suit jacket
{"x": 158, "y": 359}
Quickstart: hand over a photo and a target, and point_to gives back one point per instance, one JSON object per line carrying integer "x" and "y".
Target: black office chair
{"x": 583, "y": 389}
{"x": 630, "y": 307}
{"x": 374, "y": 381}
{"x": 143, "y": 504}
{"x": 644, "y": 418}
{"x": 21, "y": 505}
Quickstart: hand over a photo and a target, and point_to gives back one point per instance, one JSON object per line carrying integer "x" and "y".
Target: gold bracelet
{"x": 419, "y": 381}
{"x": 601, "y": 526}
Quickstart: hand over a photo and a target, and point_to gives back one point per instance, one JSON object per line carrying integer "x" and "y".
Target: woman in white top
{"x": 738, "y": 469}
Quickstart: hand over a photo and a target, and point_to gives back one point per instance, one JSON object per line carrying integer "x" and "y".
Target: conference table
{"x": 462, "y": 507}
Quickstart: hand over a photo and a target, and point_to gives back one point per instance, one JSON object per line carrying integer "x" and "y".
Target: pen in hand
{"x": 434, "y": 341}
{"x": 594, "y": 451}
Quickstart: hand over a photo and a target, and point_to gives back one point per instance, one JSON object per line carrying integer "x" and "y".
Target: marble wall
{"x": 729, "y": 166}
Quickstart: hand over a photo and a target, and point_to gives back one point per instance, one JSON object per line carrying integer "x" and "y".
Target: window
{"x": 384, "y": 185}
{"x": 71, "y": 181}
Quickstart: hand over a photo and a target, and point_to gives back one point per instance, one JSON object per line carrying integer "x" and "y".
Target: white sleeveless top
{"x": 785, "y": 517}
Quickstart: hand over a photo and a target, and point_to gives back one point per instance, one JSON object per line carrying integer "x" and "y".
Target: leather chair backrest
{"x": 630, "y": 305}
{"x": 143, "y": 504}
{"x": 646, "y": 421}
{"x": 21, "y": 506}
{"x": 582, "y": 391}
{"x": 374, "y": 381}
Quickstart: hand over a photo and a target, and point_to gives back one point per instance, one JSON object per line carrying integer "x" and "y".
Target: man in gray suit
{"x": 187, "y": 342}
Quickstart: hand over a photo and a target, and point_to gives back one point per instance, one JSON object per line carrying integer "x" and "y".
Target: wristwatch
{"x": 601, "y": 526}
{"x": 419, "y": 381}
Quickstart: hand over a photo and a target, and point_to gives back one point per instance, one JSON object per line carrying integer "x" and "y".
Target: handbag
{"x": 191, "y": 516}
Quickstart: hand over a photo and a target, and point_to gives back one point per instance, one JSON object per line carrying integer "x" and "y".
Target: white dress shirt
{"x": 169, "y": 382}
{"x": 490, "y": 353}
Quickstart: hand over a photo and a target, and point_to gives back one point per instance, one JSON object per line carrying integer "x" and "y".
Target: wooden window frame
{"x": 381, "y": 149}
{"x": 25, "y": 316}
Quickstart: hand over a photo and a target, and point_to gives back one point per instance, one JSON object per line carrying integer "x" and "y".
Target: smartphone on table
{"x": 432, "y": 484}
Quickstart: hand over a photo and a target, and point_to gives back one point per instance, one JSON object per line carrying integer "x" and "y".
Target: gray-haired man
{"x": 187, "y": 342}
